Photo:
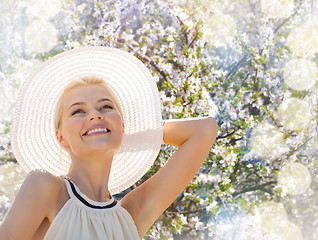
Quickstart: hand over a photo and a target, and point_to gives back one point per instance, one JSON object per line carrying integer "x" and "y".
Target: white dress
{"x": 82, "y": 218}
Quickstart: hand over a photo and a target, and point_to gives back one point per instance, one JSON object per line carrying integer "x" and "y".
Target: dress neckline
{"x": 86, "y": 200}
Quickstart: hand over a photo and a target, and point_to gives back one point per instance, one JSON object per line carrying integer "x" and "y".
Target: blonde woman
{"x": 88, "y": 125}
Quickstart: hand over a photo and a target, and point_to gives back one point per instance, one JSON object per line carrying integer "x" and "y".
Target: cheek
{"x": 73, "y": 124}
{"x": 115, "y": 120}
{"x": 119, "y": 119}
{"x": 113, "y": 115}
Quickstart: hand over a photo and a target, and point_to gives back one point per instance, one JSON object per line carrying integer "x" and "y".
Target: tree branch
{"x": 254, "y": 188}
{"x": 184, "y": 212}
{"x": 125, "y": 19}
{"x": 4, "y": 160}
{"x": 287, "y": 19}
{"x": 300, "y": 147}
{"x": 183, "y": 32}
{"x": 237, "y": 66}
{"x": 196, "y": 36}
{"x": 229, "y": 134}
{"x": 147, "y": 59}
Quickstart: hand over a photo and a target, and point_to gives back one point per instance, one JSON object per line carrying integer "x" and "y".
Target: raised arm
{"x": 194, "y": 137}
{"x": 30, "y": 207}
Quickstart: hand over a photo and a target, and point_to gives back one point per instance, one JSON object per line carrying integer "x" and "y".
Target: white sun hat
{"x": 33, "y": 138}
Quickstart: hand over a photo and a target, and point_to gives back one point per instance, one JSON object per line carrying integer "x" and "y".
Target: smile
{"x": 97, "y": 131}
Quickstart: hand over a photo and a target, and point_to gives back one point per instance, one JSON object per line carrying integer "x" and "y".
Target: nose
{"x": 95, "y": 115}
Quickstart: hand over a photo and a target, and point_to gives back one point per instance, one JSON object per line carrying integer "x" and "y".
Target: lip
{"x": 96, "y": 133}
{"x": 94, "y": 127}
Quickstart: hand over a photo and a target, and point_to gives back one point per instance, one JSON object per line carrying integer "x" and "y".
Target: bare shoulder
{"x": 43, "y": 182}
{"x": 44, "y": 175}
{"x": 33, "y": 203}
{"x": 49, "y": 186}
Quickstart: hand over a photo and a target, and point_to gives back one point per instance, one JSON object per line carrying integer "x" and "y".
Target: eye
{"x": 76, "y": 111}
{"x": 107, "y": 106}
{"x": 82, "y": 110}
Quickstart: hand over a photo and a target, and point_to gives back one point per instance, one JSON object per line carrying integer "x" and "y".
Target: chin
{"x": 103, "y": 147}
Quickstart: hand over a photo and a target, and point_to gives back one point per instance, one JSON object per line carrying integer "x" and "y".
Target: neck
{"x": 91, "y": 176}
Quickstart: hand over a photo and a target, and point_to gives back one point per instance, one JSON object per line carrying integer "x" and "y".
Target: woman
{"x": 108, "y": 123}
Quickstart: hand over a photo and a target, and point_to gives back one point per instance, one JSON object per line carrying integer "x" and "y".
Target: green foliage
{"x": 241, "y": 81}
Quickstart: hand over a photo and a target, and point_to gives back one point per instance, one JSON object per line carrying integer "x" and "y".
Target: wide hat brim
{"x": 33, "y": 138}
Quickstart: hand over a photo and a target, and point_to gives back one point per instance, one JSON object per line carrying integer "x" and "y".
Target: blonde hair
{"x": 82, "y": 82}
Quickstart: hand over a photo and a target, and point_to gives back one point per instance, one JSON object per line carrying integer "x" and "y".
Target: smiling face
{"x": 83, "y": 107}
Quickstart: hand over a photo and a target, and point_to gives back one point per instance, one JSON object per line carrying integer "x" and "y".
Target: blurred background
{"x": 251, "y": 64}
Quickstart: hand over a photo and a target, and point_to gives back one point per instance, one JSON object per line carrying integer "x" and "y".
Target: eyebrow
{"x": 80, "y": 103}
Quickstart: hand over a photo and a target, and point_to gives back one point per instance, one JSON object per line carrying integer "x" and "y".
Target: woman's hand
{"x": 194, "y": 137}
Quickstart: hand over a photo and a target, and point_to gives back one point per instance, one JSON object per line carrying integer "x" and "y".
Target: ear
{"x": 60, "y": 139}
{"x": 123, "y": 127}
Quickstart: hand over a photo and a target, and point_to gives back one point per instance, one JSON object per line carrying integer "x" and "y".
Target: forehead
{"x": 86, "y": 93}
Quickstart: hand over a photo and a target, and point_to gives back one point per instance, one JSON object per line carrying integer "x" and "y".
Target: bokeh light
{"x": 8, "y": 95}
{"x": 294, "y": 113}
{"x": 13, "y": 175}
{"x": 267, "y": 141}
{"x": 24, "y": 68}
{"x": 288, "y": 231}
{"x": 235, "y": 224}
{"x": 300, "y": 74}
{"x": 44, "y": 9}
{"x": 277, "y": 8}
{"x": 270, "y": 216}
{"x": 268, "y": 34}
{"x": 40, "y": 36}
{"x": 220, "y": 29}
{"x": 303, "y": 39}
{"x": 294, "y": 178}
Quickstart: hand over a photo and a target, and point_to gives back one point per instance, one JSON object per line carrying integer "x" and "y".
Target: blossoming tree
{"x": 252, "y": 65}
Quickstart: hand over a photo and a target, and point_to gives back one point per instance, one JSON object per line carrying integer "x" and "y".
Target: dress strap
{"x": 75, "y": 193}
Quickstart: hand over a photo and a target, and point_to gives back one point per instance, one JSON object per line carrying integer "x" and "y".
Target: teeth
{"x": 97, "y": 130}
